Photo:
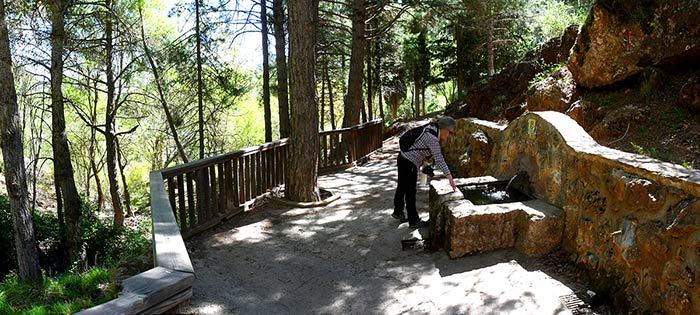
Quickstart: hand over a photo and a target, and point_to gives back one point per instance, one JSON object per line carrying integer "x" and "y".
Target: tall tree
{"x": 13, "y": 158}
{"x": 66, "y": 191}
{"x": 266, "y": 71}
{"x": 110, "y": 131}
{"x": 161, "y": 95}
{"x": 281, "y": 63}
{"x": 302, "y": 175}
{"x": 331, "y": 103}
{"x": 200, "y": 82}
{"x": 370, "y": 93}
{"x": 353, "y": 100}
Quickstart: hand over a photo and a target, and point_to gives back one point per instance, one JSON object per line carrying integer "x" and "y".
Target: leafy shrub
{"x": 8, "y": 260}
{"x": 107, "y": 245}
{"x": 104, "y": 244}
{"x": 64, "y": 294}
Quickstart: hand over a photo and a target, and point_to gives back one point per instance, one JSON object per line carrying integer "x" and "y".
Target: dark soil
{"x": 666, "y": 130}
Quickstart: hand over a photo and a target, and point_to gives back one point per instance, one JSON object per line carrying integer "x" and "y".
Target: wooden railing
{"x": 205, "y": 192}
{"x": 342, "y": 147}
{"x": 202, "y": 193}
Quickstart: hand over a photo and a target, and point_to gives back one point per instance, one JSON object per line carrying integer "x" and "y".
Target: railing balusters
{"x": 203, "y": 192}
{"x": 190, "y": 198}
{"x": 200, "y": 187}
{"x": 227, "y": 187}
{"x": 171, "y": 195}
{"x": 248, "y": 178}
{"x": 182, "y": 209}
{"x": 236, "y": 189}
{"x": 213, "y": 193}
{"x": 258, "y": 174}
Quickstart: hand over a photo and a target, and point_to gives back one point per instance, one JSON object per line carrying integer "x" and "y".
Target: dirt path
{"x": 346, "y": 258}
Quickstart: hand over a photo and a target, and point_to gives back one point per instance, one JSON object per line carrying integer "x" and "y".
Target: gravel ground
{"x": 347, "y": 258}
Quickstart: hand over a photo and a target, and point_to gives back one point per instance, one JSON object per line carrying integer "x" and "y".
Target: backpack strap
{"x": 430, "y": 131}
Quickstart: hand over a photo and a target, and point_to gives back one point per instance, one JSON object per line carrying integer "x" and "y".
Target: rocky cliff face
{"x": 622, "y": 38}
{"x": 488, "y": 99}
{"x": 632, "y": 223}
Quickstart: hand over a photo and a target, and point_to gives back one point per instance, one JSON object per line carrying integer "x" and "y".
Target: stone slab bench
{"x": 534, "y": 227}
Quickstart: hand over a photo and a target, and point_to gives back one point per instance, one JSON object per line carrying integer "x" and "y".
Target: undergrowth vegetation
{"x": 70, "y": 287}
{"x": 65, "y": 294}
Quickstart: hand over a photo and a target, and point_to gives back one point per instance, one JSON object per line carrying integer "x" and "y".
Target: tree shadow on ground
{"x": 346, "y": 258}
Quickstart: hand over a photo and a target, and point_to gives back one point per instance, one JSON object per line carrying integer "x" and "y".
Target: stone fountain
{"x": 630, "y": 222}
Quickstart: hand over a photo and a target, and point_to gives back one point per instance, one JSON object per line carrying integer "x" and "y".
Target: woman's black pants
{"x": 406, "y": 189}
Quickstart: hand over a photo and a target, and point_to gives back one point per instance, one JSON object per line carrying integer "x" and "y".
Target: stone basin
{"x": 462, "y": 226}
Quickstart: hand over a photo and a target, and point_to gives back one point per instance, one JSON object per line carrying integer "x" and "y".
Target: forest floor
{"x": 348, "y": 258}
{"x": 655, "y": 126}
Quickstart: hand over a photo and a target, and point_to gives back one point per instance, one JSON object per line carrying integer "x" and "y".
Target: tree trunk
{"x": 110, "y": 123}
{"x": 13, "y": 158}
{"x": 35, "y": 148}
{"x": 331, "y": 105}
{"x": 323, "y": 99}
{"x": 370, "y": 114}
{"x": 281, "y": 61}
{"x": 302, "y": 173}
{"x": 122, "y": 164}
{"x": 200, "y": 93}
{"x": 489, "y": 45}
{"x": 378, "y": 82}
{"x": 266, "y": 71}
{"x": 461, "y": 61}
{"x": 422, "y": 99}
{"x": 63, "y": 167}
{"x": 363, "y": 112}
{"x": 416, "y": 95}
{"x": 161, "y": 95}
{"x": 353, "y": 101}
{"x": 92, "y": 149}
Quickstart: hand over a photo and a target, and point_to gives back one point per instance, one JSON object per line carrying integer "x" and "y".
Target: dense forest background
{"x": 109, "y": 90}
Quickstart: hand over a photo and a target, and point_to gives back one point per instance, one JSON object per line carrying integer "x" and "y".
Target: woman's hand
{"x": 452, "y": 182}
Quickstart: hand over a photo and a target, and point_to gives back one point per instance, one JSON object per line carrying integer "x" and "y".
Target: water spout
{"x": 511, "y": 180}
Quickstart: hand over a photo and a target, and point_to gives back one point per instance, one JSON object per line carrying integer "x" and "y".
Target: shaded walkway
{"x": 346, "y": 258}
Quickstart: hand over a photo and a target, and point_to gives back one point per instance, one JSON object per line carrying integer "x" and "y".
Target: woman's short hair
{"x": 447, "y": 122}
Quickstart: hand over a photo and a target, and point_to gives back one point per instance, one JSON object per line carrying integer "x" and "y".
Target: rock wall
{"x": 471, "y": 147}
{"x": 632, "y": 222}
{"x": 621, "y": 38}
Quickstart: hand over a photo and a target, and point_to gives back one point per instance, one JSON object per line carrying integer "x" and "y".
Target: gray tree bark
{"x": 353, "y": 101}
{"x": 266, "y": 71}
{"x": 200, "y": 83}
{"x": 161, "y": 95}
{"x": 302, "y": 173}
{"x": 92, "y": 150}
{"x": 281, "y": 62}
{"x": 67, "y": 193}
{"x": 110, "y": 121}
{"x": 13, "y": 158}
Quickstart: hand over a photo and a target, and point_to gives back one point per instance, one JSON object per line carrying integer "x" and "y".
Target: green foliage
{"x": 546, "y": 73}
{"x": 8, "y": 260}
{"x": 688, "y": 164}
{"x": 637, "y": 148}
{"x": 138, "y": 178}
{"x": 646, "y": 89}
{"x": 104, "y": 244}
{"x": 65, "y": 294}
{"x": 107, "y": 245}
{"x": 674, "y": 118}
{"x": 553, "y": 17}
{"x": 652, "y": 151}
